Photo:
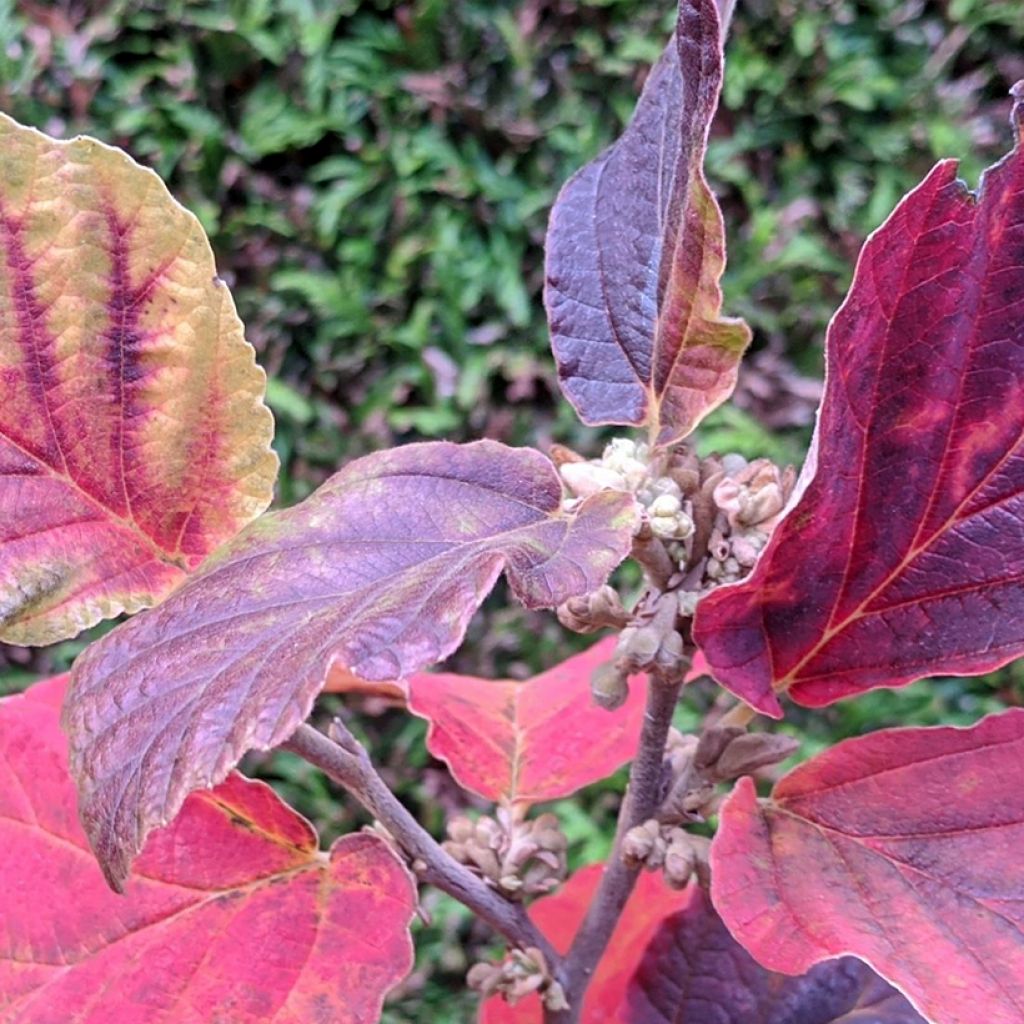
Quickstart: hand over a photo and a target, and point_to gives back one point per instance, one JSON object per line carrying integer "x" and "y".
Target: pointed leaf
{"x": 559, "y": 916}
{"x": 693, "y": 970}
{"x": 635, "y": 250}
{"x": 902, "y": 848}
{"x": 524, "y": 742}
{"x": 380, "y": 570}
{"x": 231, "y": 914}
{"x": 133, "y": 435}
{"x": 904, "y": 557}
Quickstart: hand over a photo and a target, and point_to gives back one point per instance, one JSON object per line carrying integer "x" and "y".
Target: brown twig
{"x": 345, "y": 761}
{"x": 641, "y": 801}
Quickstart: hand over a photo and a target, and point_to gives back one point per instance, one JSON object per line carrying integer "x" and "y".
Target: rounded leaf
{"x": 133, "y": 435}
{"x": 231, "y": 914}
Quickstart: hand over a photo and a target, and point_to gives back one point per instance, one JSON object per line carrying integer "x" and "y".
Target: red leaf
{"x": 231, "y": 914}
{"x": 693, "y": 970}
{"x": 559, "y": 916}
{"x": 635, "y": 250}
{"x": 381, "y": 569}
{"x": 528, "y": 741}
{"x": 904, "y": 556}
{"x": 902, "y": 848}
{"x": 133, "y": 435}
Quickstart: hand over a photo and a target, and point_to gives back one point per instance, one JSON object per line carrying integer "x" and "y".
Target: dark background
{"x": 375, "y": 178}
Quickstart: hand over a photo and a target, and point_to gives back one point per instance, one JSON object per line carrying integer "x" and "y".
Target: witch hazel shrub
{"x": 145, "y": 880}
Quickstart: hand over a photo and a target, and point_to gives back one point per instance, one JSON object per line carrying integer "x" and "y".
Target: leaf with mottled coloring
{"x": 559, "y": 916}
{"x": 524, "y": 742}
{"x": 133, "y": 435}
{"x": 231, "y": 913}
{"x": 904, "y": 556}
{"x": 635, "y": 250}
{"x": 380, "y": 570}
{"x": 901, "y": 847}
{"x": 693, "y": 970}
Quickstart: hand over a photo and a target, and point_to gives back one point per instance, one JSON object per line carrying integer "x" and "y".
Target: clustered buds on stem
{"x": 518, "y": 858}
{"x": 693, "y": 767}
{"x": 709, "y": 518}
{"x": 521, "y": 972}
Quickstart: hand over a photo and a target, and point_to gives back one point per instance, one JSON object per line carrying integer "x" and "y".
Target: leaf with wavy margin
{"x": 380, "y": 569}
{"x": 133, "y": 435}
{"x": 532, "y": 740}
{"x": 231, "y": 913}
{"x": 693, "y": 970}
{"x": 635, "y": 251}
{"x": 902, "y": 848}
{"x": 904, "y": 556}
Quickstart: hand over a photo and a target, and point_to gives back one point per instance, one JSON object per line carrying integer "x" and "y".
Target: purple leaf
{"x": 635, "y": 250}
{"x": 380, "y": 570}
{"x": 694, "y": 970}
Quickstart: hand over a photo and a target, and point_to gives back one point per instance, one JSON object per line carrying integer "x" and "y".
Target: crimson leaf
{"x": 904, "y": 557}
{"x": 902, "y": 848}
{"x": 231, "y": 914}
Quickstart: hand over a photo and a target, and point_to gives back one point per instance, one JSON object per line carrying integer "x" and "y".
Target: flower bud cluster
{"x": 712, "y": 515}
{"x": 656, "y": 846}
{"x": 624, "y": 466}
{"x": 693, "y": 766}
{"x": 523, "y": 971}
{"x": 518, "y": 858}
{"x": 738, "y": 504}
{"x": 590, "y": 612}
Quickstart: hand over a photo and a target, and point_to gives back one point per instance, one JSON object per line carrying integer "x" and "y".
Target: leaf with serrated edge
{"x": 635, "y": 251}
{"x": 380, "y": 569}
{"x": 532, "y": 740}
{"x": 904, "y": 556}
{"x": 901, "y": 847}
{"x": 692, "y": 963}
{"x": 231, "y": 913}
{"x": 133, "y": 435}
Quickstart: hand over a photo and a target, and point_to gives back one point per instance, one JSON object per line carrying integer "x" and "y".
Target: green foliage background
{"x": 375, "y": 177}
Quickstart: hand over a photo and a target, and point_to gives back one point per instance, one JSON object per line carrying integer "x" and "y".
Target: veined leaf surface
{"x": 531, "y": 740}
{"x": 133, "y": 435}
{"x": 904, "y": 556}
{"x": 380, "y": 570}
{"x": 231, "y": 914}
{"x": 901, "y": 847}
{"x": 635, "y": 250}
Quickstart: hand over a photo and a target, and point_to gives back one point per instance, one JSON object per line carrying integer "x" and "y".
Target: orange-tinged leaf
{"x": 524, "y": 742}
{"x": 902, "y": 848}
{"x": 559, "y": 916}
{"x": 231, "y": 914}
{"x": 380, "y": 569}
{"x": 341, "y": 679}
{"x": 133, "y": 435}
{"x": 635, "y": 251}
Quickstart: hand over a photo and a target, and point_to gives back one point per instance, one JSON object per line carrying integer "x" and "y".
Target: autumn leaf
{"x": 904, "y": 556}
{"x": 133, "y": 435}
{"x": 525, "y": 742}
{"x": 692, "y": 963}
{"x": 231, "y": 913}
{"x": 900, "y": 847}
{"x": 380, "y": 570}
{"x": 635, "y": 250}
{"x": 559, "y": 916}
